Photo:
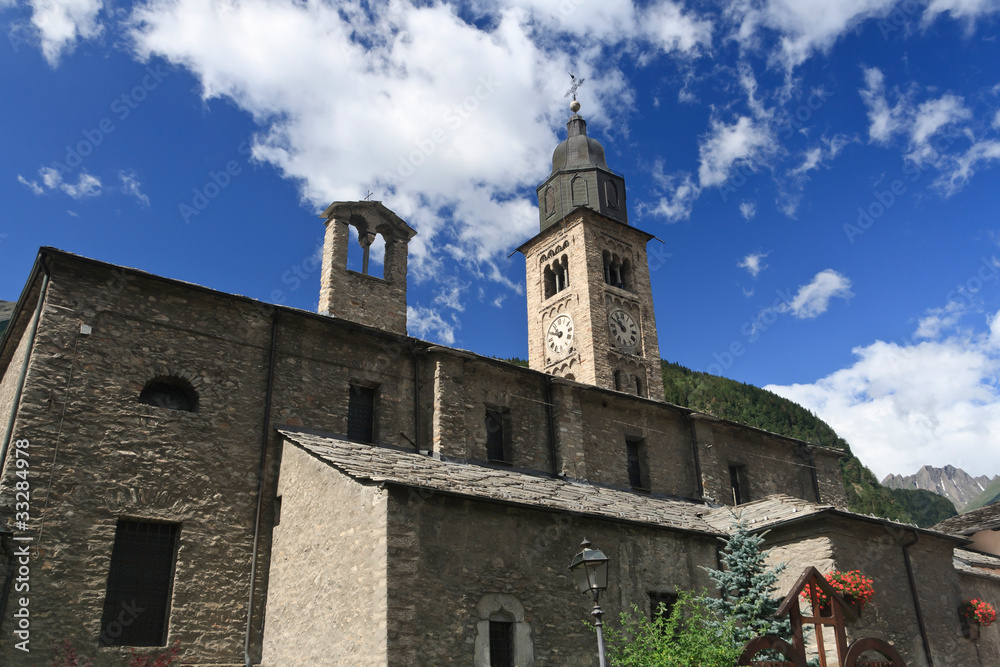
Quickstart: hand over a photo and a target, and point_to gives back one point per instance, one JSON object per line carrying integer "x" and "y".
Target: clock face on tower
{"x": 560, "y": 335}
{"x": 624, "y": 331}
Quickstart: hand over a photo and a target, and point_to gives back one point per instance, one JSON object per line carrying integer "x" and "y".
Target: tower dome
{"x": 578, "y": 150}
{"x": 580, "y": 178}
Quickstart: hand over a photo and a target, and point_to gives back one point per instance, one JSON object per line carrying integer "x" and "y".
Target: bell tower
{"x": 590, "y": 302}
{"x": 356, "y": 295}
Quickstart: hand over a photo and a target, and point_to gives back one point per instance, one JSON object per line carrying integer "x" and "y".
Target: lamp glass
{"x": 590, "y": 570}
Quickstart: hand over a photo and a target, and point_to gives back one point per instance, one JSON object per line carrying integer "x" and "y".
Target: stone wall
{"x": 447, "y": 553}
{"x": 115, "y": 457}
{"x": 984, "y": 588}
{"x": 609, "y": 418}
{"x": 97, "y": 455}
{"x": 876, "y": 549}
{"x": 773, "y": 464}
{"x": 326, "y": 600}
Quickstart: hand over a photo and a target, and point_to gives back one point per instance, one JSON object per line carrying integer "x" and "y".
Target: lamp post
{"x": 590, "y": 570}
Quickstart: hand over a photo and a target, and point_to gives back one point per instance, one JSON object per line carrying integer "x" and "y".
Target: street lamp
{"x": 590, "y": 570}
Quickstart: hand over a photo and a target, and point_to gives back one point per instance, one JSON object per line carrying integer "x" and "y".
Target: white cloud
{"x": 883, "y": 120}
{"x": 86, "y": 185}
{"x": 932, "y": 129}
{"x": 754, "y": 263}
{"x": 451, "y": 121}
{"x": 957, "y": 171}
{"x": 813, "y": 299}
{"x": 31, "y": 185}
{"x": 960, "y": 9}
{"x": 928, "y": 119}
{"x": 131, "y": 185}
{"x": 904, "y": 406}
{"x": 803, "y": 27}
{"x": 450, "y": 296}
{"x": 680, "y": 195}
{"x": 427, "y": 323}
{"x": 748, "y": 210}
{"x": 939, "y": 320}
{"x": 60, "y": 23}
{"x": 744, "y": 141}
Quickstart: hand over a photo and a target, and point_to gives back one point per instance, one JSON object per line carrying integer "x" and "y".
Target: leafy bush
{"x": 691, "y": 635}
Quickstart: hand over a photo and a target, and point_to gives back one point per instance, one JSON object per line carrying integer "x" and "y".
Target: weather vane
{"x": 576, "y": 86}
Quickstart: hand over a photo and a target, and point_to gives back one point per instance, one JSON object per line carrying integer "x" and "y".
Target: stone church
{"x": 266, "y": 485}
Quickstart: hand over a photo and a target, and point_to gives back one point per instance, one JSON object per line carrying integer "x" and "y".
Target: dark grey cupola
{"x": 580, "y": 177}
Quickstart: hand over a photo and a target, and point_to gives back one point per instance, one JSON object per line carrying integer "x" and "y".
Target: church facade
{"x": 265, "y": 485}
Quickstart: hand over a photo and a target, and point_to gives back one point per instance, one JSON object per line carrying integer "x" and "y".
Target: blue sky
{"x": 822, "y": 173}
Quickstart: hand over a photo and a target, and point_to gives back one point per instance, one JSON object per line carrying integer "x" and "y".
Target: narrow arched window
{"x": 548, "y": 282}
{"x": 172, "y": 393}
{"x": 626, "y": 274}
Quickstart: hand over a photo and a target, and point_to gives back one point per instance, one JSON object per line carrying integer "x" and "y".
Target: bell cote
{"x": 356, "y": 295}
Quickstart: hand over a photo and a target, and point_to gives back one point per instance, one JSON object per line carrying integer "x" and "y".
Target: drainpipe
{"x": 697, "y": 459}
{"x": 916, "y": 598}
{"x": 260, "y": 486}
{"x": 552, "y": 425}
{"x": 416, "y": 399}
{"x": 9, "y": 433}
{"x": 815, "y": 477}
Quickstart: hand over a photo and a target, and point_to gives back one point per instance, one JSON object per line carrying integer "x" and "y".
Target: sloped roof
{"x": 984, "y": 518}
{"x": 974, "y": 562}
{"x": 380, "y": 464}
{"x": 772, "y": 510}
{"x": 782, "y": 509}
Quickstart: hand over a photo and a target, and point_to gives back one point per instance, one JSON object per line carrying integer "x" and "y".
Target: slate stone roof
{"x": 774, "y": 509}
{"x": 380, "y": 464}
{"x": 975, "y": 562}
{"x": 984, "y": 518}
{"x": 779, "y": 508}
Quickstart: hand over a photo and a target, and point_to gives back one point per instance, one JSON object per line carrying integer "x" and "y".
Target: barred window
{"x": 361, "y": 414}
{"x": 498, "y": 435}
{"x": 636, "y": 451}
{"x": 140, "y": 581}
{"x": 501, "y": 643}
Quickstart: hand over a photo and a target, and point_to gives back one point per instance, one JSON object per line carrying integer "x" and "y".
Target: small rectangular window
{"x": 140, "y": 581}
{"x": 361, "y": 414}
{"x": 501, "y": 644}
{"x": 738, "y": 480}
{"x": 661, "y": 604}
{"x": 498, "y": 434}
{"x": 637, "y": 477}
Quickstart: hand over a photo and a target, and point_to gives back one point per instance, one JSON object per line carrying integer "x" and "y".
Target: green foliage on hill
{"x": 987, "y": 497}
{"x": 517, "y": 361}
{"x": 926, "y": 507}
{"x": 744, "y": 403}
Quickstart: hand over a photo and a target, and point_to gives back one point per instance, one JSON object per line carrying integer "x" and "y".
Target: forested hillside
{"x": 754, "y": 406}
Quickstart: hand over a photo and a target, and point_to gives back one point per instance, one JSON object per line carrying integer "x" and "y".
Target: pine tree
{"x": 747, "y": 587}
